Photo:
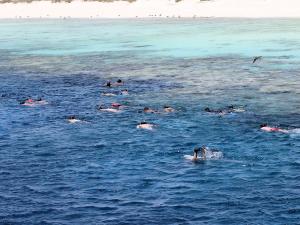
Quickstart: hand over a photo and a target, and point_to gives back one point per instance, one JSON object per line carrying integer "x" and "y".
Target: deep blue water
{"x": 104, "y": 170}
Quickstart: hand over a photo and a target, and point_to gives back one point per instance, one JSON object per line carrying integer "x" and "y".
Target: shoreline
{"x": 152, "y": 9}
{"x": 156, "y": 9}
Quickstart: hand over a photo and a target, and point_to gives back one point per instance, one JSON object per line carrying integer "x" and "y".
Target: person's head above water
{"x": 146, "y": 108}
{"x": 207, "y": 109}
{"x": 263, "y": 125}
{"x": 119, "y": 81}
{"x": 71, "y": 118}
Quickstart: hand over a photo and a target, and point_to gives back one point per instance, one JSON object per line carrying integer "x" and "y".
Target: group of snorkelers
{"x": 116, "y": 107}
{"x": 202, "y": 153}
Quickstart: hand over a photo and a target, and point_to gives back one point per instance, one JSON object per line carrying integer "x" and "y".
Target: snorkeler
{"x": 33, "y": 102}
{"x": 168, "y": 109}
{"x": 72, "y": 119}
{"x": 267, "y": 128}
{"x": 119, "y": 82}
{"x": 116, "y": 105}
{"x": 124, "y": 92}
{"x": 213, "y": 111}
{"x": 206, "y": 154}
{"x": 112, "y": 110}
{"x": 145, "y": 125}
{"x": 149, "y": 110}
{"x": 108, "y": 94}
{"x": 224, "y": 111}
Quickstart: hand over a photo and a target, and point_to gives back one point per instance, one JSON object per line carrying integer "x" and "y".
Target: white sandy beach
{"x": 154, "y": 8}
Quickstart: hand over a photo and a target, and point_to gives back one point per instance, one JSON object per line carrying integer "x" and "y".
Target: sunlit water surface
{"x": 104, "y": 170}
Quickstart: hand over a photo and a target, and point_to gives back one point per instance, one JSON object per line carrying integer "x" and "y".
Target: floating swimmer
{"x": 234, "y": 109}
{"x": 267, "y": 128}
{"x": 168, "y": 109}
{"x": 124, "y": 92}
{"x": 112, "y": 110}
{"x": 116, "y": 105}
{"x": 256, "y": 58}
{"x": 72, "y": 119}
{"x": 145, "y": 125}
{"x": 119, "y": 82}
{"x": 149, "y": 110}
{"x": 227, "y": 110}
{"x": 206, "y": 154}
{"x": 108, "y": 94}
{"x": 208, "y": 110}
{"x": 33, "y": 102}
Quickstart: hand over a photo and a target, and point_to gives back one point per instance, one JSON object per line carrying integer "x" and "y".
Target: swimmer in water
{"x": 108, "y": 94}
{"x": 168, "y": 109}
{"x": 108, "y": 84}
{"x": 32, "y": 102}
{"x": 145, "y": 125}
{"x": 206, "y": 154}
{"x": 227, "y": 110}
{"x": 213, "y": 111}
{"x": 119, "y": 82}
{"x": 148, "y": 110}
{"x": 124, "y": 92}
{"x": 116, "y": 105}
{"x": 112, "y": 110}
{"x": 72, "y": 119}
{"x": 267, "y": 128}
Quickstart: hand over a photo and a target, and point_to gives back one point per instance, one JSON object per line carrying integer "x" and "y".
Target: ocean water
{"x": 104, "y": 170}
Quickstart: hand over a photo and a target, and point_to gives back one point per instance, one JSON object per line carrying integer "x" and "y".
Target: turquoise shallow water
{"x": 106, "y": 171}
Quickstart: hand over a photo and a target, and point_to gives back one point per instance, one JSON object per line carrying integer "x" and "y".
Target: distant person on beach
{"x": 267, "y": 128}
